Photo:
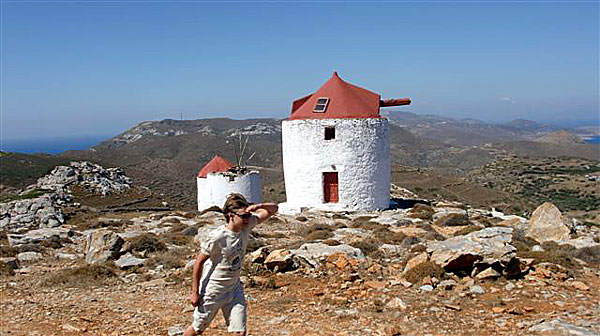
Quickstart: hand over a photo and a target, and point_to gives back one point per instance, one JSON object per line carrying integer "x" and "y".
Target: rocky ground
{"x": 420, "y": 269}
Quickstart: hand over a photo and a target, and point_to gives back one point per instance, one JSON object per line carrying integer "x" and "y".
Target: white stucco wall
{"x": 214, "y": 189}
{"x": 360, "y": 153}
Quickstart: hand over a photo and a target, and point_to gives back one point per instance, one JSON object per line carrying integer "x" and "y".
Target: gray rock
{"x": 396, "y": 303}
{"x": 548, "y": 224}
{"x": 346, "y": 235}
{"x": 537, "y": 248}
{"x": 189, "y": 265}
{"x": 582, "y": 242}
{"x": 314, "y": 253}
{"x": 558, "y": 327}
{"x": 486, "y": 246}
{"x": 103, "y": 245}
{"x": 346, "y": 312}
{"x": 509, "y": 286}
{"x": 128, "y": 260}
{"x": 29, "y": 256}
{"x": 476, "y": 289}
{"x": 447, "y": 284}
{"x": 28, "y": 214}
{"x": 67, "y": 256}
{"x": 175, "y": 330}
{"x": 392, "y": 250}
{"x": 39, "y": 235}
{"x": 426, "y": 288}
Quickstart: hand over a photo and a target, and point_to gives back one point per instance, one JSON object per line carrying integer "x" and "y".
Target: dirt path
{"x": 301, "y": 305}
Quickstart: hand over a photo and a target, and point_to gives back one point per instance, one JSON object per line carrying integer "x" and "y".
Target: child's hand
{"x": 195, "y": 298}
{"x": 252, "y": 208}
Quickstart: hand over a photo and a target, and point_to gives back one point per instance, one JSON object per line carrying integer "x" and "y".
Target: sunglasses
{"x": 244, "y": 215}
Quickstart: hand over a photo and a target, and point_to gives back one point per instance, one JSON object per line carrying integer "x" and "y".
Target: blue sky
{"x": 95, "y": 68}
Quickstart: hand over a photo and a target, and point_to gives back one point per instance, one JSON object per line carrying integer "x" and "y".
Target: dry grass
{"x": 81, "y": 277}
{"x": 6, "y": 270}
{"x": 421, "y": 211}
{"x": 417, "y": 273}
{"x": 368, "y": 246}
{"x": 453, "y": 219}
{"x": 103, "y": 223}
{"x": 487, "y": 221}
{"x": 563, "y": 255}
{"x": 467, "y": 230}
{"x": 359, "y": 222}
{"x": 315, "y": 231}
{"x": 148, "y": 243}
{"x": 331, "y": 242}
{"x": 170, "y": 260}
{"x": 7, "y": 251}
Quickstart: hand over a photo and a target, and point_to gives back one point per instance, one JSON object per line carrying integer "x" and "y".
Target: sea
{"x": 54, "y": 145}
{"x": 592, "y": 139}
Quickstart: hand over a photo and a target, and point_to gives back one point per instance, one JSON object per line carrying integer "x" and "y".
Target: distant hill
{"x": 468, "y": 132}
{"x": 560, "y": 137}
{"x": 166, "y": 155}
{"x": 548, "y": 149}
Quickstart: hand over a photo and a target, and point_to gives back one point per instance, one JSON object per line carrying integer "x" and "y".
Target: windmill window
{"x": 329, "y": 133}
{"x": 321, "y": 105}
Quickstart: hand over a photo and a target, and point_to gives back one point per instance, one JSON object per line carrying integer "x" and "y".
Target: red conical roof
{"x": 216, "y": 165}
{"x": 345, "y": 101}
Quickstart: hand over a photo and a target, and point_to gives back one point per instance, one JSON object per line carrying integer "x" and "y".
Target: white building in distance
{"x": 220, "y": 178}
{"x": 336, "y": 149}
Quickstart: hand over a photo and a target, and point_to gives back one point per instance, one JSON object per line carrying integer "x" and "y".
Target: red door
{"x": 330, "y": 187}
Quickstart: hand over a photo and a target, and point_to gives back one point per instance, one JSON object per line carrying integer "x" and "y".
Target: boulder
{"x": 416, "y": 261}
{"x": 43, "y": 211}
{"x": 476, "y": 289}
{"x": 280, "y": 261}
{"x": 29, "y": 256}
{"x": 128, "y": 260}
{"x": 548, "y": 224}
{"x": 314, "y": 253}
{"x": 259, "y": 255}
{"x": 558, "y": 327}
{"x": 103, "y": 245}
{"x": 39, "y": 235}
{"x": 488, "y": 273}
{"x": 582, "y": 243}
{"x": 484, "y": 247}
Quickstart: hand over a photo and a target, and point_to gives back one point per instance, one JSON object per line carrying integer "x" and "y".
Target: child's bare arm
{"x": 196, "y": 274}
{"x": 263, "y": 211}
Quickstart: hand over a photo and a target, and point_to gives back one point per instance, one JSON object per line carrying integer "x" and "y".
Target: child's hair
{"x": 234, "y": 202}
